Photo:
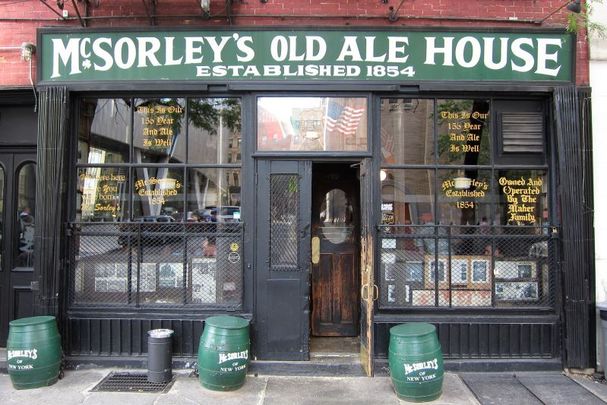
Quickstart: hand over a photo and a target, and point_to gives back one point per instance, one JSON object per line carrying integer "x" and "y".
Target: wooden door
{"x": 17, "y": 215}
{"x": 335, "y": 251}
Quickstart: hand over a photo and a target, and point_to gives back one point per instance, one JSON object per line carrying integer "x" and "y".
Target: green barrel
{"x": 33, "y": 352}
{"x": 223, "y": 353}
{"x": 416, "y": 362}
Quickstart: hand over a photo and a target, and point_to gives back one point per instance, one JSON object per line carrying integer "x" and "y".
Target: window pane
{"x": 522, "y": 197}
{"x": 464, "y": 132}
{"x": 213, "y": 195}
{"x": 407, "y": 196}
{"x": 464, "y": 198}
{"x": 312, "y": 124}
{"x": 407, "y": 131}
{"x": 214, "y": 130}
{"x": 158, "y": 194}
{"x": 159, "y": 130}
{"x": 26, "y": 211}
{"x": 102, "y": 194}
{"x": 104, "y": 131}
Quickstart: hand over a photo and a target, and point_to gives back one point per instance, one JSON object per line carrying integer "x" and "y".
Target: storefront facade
{"x": 391, "y": 164}
{"x": 317, "y": 182}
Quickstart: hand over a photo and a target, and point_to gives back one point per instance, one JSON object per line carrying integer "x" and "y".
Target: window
{"x": 158, "y": 202}
{"x": 308, "y": 124}
{"x": 478, "y": 227}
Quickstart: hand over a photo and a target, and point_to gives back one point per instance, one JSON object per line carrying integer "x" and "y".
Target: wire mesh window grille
{"x": 150, "y": 265}
{"x": 152, "y": 228}
{"x": 284, "y": 196}
{"x": 457, "y": 230}
{"x": 504, "y": 269}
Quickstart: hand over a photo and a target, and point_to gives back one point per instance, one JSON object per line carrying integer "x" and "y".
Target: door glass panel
{"x": 283, "y": 222}
{"x": 336, "y": 216}
{"x": 26, "y": 200}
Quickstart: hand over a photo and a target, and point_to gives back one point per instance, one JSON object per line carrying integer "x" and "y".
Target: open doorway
{"x": 335, "y": 274}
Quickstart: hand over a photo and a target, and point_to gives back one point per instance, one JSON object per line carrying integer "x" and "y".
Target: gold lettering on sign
{"x": 157, "y": 189}
{"x": 463, "y": 134}
{"x": 522, "y": 197}
{"x": 160, "y": 125}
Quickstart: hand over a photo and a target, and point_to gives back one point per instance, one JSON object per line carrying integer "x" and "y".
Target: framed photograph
{"x": 516, "y": 291}
{"x": 511, "y": 270}
{"x": 111, "y": 277}
{"x": 147, "y": 275}
{"x": 471, "y": 298}
{"x": 389, "y": 271}
{"x": 391, "y": 294}
{"x": 480, "y": 271}
{"x": 170, "y": 275}
{"x": 204, "y": 282}
{"x": 426, "y": 298}
{"x": 414, "y": 271}
{"x": 459, "y": 271}
{"x": 388, "y": 243}
{"x": 435, "y": 269}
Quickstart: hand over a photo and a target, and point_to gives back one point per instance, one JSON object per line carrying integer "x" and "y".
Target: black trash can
{"x": 602, "y": 306}
{"x": 160, "y": 355}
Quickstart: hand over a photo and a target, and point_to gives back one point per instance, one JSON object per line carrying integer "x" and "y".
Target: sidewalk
{"x": 462, "y": 388}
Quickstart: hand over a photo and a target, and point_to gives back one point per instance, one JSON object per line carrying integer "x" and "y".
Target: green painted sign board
{"x": 248, "y": 55}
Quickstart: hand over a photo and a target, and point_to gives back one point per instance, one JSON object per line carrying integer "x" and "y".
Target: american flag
{"x": 343, "y": 115}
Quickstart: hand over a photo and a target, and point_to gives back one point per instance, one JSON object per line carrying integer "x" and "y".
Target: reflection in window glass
{"x": 158, "y": 193}
{"x": 26, "y": 211}
{"x": 104, "y": 131}
{"x": 213, "y": 195}
{"x": 102, "y": 194}
{"x": 407, "y": 196}
{"x": 463, "y": 132}
{"x": 407, "y": 131}
{"x": 312, "y": 124}
{"x": 214, "y": 130}
{"x": 159, "y": 130}
{"x": 336, "y": 215}
{"x": 464, "y": 197}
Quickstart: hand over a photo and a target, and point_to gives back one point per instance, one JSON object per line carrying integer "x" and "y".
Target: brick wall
{"x": 20, "y": 19}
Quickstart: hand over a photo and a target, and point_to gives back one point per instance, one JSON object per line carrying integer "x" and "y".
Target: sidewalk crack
{"x": 262, "y": 394}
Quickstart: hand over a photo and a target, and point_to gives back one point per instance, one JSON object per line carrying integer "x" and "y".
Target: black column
{"x": 52, "y": 133}
{"x": 576, "y": 211}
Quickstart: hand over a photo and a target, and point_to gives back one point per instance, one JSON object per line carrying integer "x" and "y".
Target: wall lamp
{"x": 27, "y": 51}
{"x": 574, "y": 6}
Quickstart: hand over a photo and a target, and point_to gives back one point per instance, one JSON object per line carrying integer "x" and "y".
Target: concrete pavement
{"x": 461, "y": 388}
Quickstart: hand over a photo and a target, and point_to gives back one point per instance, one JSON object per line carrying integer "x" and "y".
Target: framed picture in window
{"x": 436, "y": 270}
{"x": 512, "y": 270}
{"x": 414, "y": 271}
{"x": 147, "y": 276}
{"x": 204, "y": 282}
{"x": 516, "y": 291}
{"x": 459, "y": 271}
{"x": 480, "y": 271}
{"x": 170, "y": 275}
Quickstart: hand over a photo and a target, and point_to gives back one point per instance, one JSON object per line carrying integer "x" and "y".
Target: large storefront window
{"x": 311, "y": 124}
{"x": 157, "y": 220}
{"x": 457, "y": 230}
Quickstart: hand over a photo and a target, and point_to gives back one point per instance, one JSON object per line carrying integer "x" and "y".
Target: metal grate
{"x": 283, "y": 222}
{"x": 429, "y": 266}
{"x": 131, "y": 382}
{"x": 155, "y": 264}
